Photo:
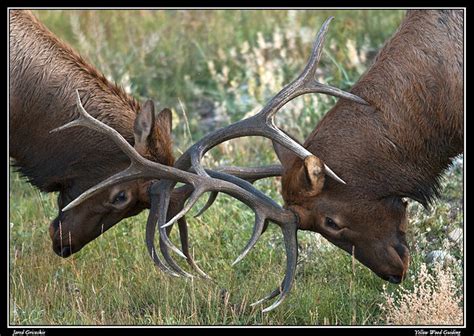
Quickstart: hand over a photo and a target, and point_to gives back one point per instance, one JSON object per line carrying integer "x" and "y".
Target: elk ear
{"x": 311, "y": 175}
{"x": 164, "y": 121}
{"x": 307, "y": 176}
{"x": 143, "y": 126}
{"x": 304, "y": 179}
{"x": 161, "y": 142}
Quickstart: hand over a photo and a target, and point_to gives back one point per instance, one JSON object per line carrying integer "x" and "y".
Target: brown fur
{"x": 44, "y": 75}
{"x": 396, "y": 147}
{"x": 400, "y": 144}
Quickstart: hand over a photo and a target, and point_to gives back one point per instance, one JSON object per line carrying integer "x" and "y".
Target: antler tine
{"x": 262, "y": 124}
{"x": 176, "y": 270}
{"x": 153, "y": 218}
{"x": 85, "y": 119}
{"x": 150, "y": 234}
{"x": 171, "y": 263}
{"x": 257, "y": 231}
{"x": 177, "y": 201}
{"x": 261, "y": 210}
{"x": 183, "y": 234}
{"x": 210, "y": 200}
{"x": 291, "y": 248}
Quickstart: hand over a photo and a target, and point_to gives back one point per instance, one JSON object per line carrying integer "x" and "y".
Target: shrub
{"x": 434, "y": 300}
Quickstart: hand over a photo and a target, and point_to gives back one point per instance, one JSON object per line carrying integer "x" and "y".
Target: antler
{"x": 178, "y": 198}
{"x": 263, "y": 206}
{"x": 261, "y": 124}
{"x": 265, "y": 209}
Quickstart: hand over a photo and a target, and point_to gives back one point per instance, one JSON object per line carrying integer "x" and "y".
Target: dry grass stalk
{"x": 434, "y": 300}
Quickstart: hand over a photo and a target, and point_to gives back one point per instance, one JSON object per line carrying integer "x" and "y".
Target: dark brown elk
{"x": 44, "y": 74}
{"x": 395, "y": 147}
{"x": 390, "y": 138}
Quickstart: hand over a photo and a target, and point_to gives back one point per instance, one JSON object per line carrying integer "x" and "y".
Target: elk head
{"x": 72, "y": 230}
{"x": 372, "y": 229}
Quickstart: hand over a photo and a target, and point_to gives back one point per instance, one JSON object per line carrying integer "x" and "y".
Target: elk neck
{"x": 402, "y": 142}
{"x": 44, "y": 74}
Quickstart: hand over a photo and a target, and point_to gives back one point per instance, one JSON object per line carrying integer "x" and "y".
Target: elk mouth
{"x": 63, "y": 251}
{"x": 55, "y": 232}
{"x": 395, "y": 279}
{"x": 404, "y": 260}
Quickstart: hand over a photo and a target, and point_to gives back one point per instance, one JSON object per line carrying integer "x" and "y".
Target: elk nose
{"x": 62, "y": 251}
{"x": 402, "y": 250}
{"x": 395, "y": 279}
{"x": 66, "y": 251}
{"x": 404, "y": 253}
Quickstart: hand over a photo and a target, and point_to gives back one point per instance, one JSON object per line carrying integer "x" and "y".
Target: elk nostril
{"x": 402, "y": 251}
{"x": 64, "y": 251}
{"x": 395, "y": 279}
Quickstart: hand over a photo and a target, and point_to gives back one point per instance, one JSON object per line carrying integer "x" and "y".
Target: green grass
{"x": 224, "y": 64}
{"x": 113, "y": 281}
{"x": 165, "y": 55}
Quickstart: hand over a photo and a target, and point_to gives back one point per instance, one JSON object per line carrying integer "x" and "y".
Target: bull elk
{"x": 44, "y": 72}
{"x": 390, "y": 138}
{"x": 44, "y": 75}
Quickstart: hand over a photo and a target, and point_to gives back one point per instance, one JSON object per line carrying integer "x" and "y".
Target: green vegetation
{"x": 211, "y": 68}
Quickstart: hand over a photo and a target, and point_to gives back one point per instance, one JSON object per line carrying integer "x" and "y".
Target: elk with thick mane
{"x": 44, "y": 76}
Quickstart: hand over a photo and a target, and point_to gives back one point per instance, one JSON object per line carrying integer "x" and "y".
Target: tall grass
{"x": 211, "y": 68}
{"x": 165, "y": 54}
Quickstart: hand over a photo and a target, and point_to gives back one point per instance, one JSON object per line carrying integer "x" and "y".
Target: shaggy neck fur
{"x": 402, "y": 142}
{"x": 44, "y": 74}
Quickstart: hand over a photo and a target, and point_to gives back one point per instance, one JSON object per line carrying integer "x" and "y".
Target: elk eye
{"x": 331, "y": 223}
{"x": 120, "y": 198}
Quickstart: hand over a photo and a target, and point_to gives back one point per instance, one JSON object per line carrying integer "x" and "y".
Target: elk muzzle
{"x": 390, "y": 262}
{"x": 60, "y": 245}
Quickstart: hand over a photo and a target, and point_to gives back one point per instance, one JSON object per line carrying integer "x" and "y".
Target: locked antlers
{"x": 188, "y": 170}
